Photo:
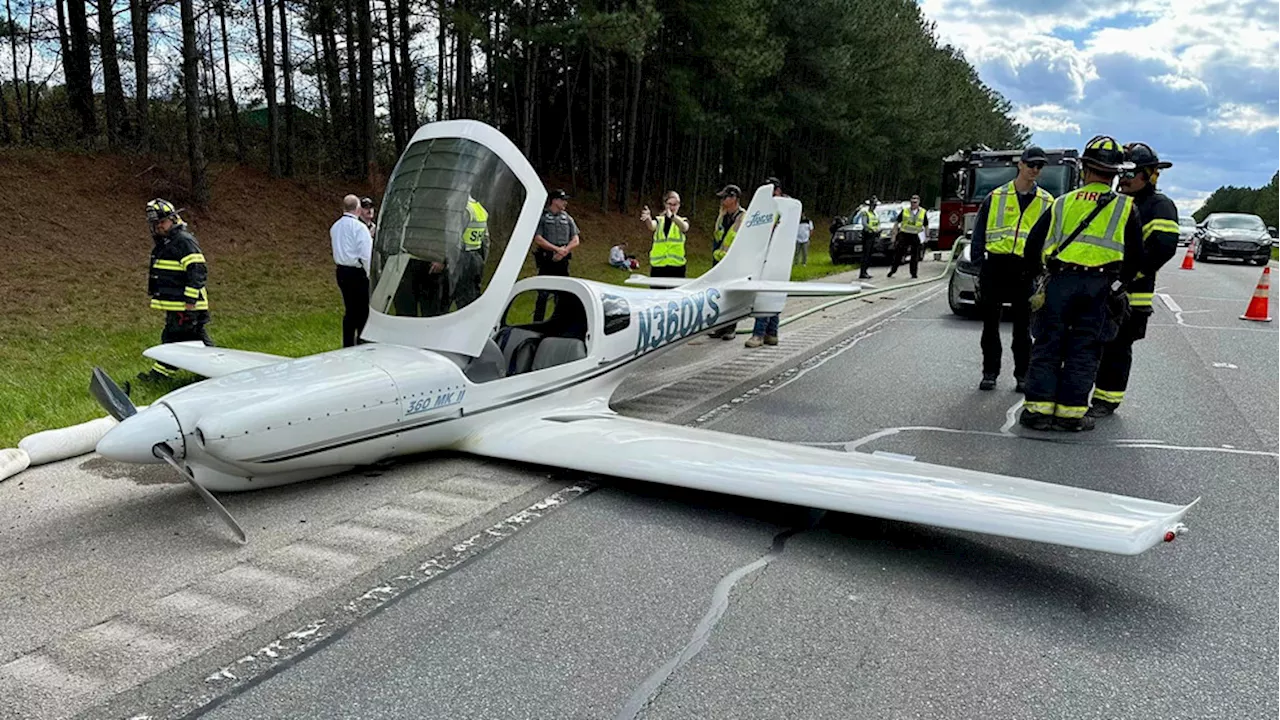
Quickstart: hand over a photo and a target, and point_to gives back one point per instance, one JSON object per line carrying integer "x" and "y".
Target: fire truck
{"x": 968, "y": 176}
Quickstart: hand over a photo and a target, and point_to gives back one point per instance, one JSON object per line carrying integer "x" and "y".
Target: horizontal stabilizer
{"x": 658, "y": 282}
{"x": 858, "y": 483}
{"x": 796, "y": 289}
{"x": 201, "y": 359}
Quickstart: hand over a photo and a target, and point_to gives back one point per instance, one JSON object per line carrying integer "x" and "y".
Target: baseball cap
{"x": 1033, "y": 155}
{"x": 775, "y": 182}
{"x": 730, "y": 191}
{"x": 559, "y": 194}
{"x": 366, "y": 202}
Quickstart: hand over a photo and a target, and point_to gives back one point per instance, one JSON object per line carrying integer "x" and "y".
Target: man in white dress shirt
{"x": 352, "y": 251}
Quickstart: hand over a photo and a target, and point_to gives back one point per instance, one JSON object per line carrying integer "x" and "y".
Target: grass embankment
{"x": 75, "y": 248}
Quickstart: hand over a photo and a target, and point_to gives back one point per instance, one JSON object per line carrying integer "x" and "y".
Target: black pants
{"x": 906, "y": 242}
{"x": 470, "y": 272}
{"x": 1004, "y": 279}
{"x": 182, "y": 326}
{"x": 1068, "y": 344}
{"x": 547, "y": 266}
{"x": 422, "y": 293}
{"x": 1117, "y": 360}
{"x": 677, "y": 271}
{"x": 354, "y": 285}
{"x": 868, "y": 240}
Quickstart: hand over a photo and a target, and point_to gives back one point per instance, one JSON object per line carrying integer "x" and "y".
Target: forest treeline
{"x": 1263, "y": 201}
{"x": 619, "y": 98}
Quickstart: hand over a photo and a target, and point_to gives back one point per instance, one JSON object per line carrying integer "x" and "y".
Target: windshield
{"x": 1187, "y": 222}
{"x": 1237, "y": 222}
{"x": 1053, "y": 179}
{"x": 447, "y": 216}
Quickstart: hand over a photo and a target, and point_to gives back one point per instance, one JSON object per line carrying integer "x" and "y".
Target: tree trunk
{"x": 231, "y": 95}
{"x": 408, "y": 89}
{"x": 648, "y": 151}
{"x": 269, "y": 87}
{"x": 286, "y": 69}
{"x": 209, "y": 72}
{"x": 605, "y": 136}
{"x": 462, "y": 66}
{"x": 631, "y": 133}
{"x": 366, "y": 92}
{"x": 393, "y": 87}
{"x": 17, "y": 94}
{"x": 355, "y": 121}
{"x": 78, "y": 67}
{"x": 138, "y": 18}
{"x": 28, "y": 119}
{"x": 333, "y": 78}
{"x": 440, "y": 53}
{"x": 190, "y": 91}
{"x": 113, "y": 89}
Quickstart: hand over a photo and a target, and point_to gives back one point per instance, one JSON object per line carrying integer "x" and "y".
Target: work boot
{"x": 988, "y": 382}
{"x": 754, "y": 341}
{"x": 1080, "y": 424}
{"x": 1035, "y": 421}
{"x": 1101, "y": 409}
{"x": 770, "y": 339}
{"x": 1020, "y": 384}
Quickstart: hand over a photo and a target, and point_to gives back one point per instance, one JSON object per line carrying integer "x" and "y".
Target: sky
{"x": 1197, "y": 81}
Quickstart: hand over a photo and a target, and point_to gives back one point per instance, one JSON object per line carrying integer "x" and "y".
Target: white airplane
{"x": 486, "y": 380}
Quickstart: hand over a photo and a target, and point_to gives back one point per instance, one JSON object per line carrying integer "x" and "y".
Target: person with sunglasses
{"x": 1159, "y": 217}
{"x": 1000, "y": 231}
{"x": 667, "y": 258}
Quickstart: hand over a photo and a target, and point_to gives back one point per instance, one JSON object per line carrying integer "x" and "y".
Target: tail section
{"x": 749, "y": 253}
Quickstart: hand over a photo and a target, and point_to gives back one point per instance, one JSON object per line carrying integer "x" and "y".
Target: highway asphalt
{"x": 639, "y": 601}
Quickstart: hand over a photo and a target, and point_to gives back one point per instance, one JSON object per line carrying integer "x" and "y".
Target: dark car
{"x": 1233, "y": 235}
{"x": 846, "y": 241}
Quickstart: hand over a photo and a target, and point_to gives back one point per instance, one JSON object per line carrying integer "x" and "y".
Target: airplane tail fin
{"x": 749, "y": 255}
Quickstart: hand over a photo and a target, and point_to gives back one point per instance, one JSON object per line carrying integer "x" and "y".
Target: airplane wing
{"x": 795, "y": 289}
{"x": 208, "y": 361}
{"x": 858, "y": 483}
{"x": 658, "y": 282}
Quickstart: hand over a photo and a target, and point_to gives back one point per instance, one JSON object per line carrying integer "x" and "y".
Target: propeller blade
{"x": 164, "y": 452}
{"x": 110, "y": 396}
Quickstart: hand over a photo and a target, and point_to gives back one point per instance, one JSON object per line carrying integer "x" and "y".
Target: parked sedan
{"x": 1186, "y": 230}
{"x": 962, "y": 287}
{"x": 1233, "y": 235}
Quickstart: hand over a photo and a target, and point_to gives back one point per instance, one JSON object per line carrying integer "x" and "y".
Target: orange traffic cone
{"x": 1258, "y": 305}
{"x": 1188, "y": 262}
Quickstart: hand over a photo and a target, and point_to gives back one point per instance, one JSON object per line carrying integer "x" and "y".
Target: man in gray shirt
{"x": 554, "y": 241}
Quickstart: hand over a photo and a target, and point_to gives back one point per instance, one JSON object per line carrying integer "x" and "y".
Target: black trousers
{"x": 868, "y": 240}
{"x": 1004, "y": 279}
{"x": 1068, "y": 343}
{"x": 182, "y": 326}
{"x": 354, "y": 285}
{"x": 547, "y": 266}
{"x": 422, "y": 293}
{"x": 1117, "y": 360}
{"x": 470, "y": 273}
{"x": 906, "y": 242}
{"x": 677, "y": 271}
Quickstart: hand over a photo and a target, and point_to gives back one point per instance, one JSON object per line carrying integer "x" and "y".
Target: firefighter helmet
{"x": 1104, "y": 153}
{"x": 1140, "y": 155}
{"x": 161, "y": 209}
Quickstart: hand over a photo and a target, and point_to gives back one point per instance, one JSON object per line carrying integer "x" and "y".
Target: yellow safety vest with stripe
{"x": 872, "y": 221}
{"x": 1102, "y": 241}
{"x": 668, "y": 250}
{"x": 477, "y": 230}
{"x": 1008, "y": 224}
{"x": 911, "y": 223}
{"x": 178, "y": 274}
{"x": 722, "y": 239}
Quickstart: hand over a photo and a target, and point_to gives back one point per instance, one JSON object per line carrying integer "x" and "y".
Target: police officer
{"x": 667, "y": 258}
{"x": 999, "y": 236}
{"x": 1090, "y": 242}
{"x": 908, "y": 232}
{"x": 554, "y": 241}
{"x": 1159, "y": 218}
{"x": 176, "y": 282}
{"x": 728, "y": 222}
{"x": 870, "y": 233}
{"x": 469, "y": 267}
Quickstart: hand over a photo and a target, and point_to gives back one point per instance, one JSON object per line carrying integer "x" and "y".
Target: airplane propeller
{"x": 117, "y": 404}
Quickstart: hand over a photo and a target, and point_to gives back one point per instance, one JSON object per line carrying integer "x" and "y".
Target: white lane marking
{"x": 1227, "y": 365}
{"x": 853, "y": 445}
{"x": 1010, "y": 417}
{"x": 1170, "y": 303}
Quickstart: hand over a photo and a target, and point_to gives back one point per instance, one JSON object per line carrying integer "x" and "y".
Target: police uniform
{"x": 557, "y": 228}
{"x": 910, "y": 226}
{"x": 1004, "y": 220}
{"x": 870, "y": 233}
{"x": 469, "y": 269}
{"x": 1069, "y": 328}
{"x": 1159, "y": 218}
{"x": 177, "y": 279}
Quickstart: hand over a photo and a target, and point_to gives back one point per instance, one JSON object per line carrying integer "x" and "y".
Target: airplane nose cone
{"x": 131, "y": 441}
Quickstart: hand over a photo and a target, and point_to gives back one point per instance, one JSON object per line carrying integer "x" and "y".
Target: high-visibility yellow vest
{"x": 473, "y": 236}
{"x": 872, "y": 223}
{"x": 1008, "y": 224}
{"x": 721, "y": 239}
{"x": 1102, "y": 241}
{"x": 668, "y": 250}
{"x": 911, "y": 222}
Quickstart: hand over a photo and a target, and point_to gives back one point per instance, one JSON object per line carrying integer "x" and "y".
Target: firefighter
{"x": 999, "y": 235}
{"x": 1090, "y": 244}
{"x": 176, "y": 282}
{"x": 1159, "y": 218}
{"x": 870, "y": 233}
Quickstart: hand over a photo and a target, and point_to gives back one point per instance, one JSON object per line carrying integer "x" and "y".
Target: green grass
{"x": 262, "y": 301}
{"x": 1274, "y": 250}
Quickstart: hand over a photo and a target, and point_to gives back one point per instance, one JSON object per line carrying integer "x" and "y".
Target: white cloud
{"x": 1244, "y": 118}
{"x": 1047, "y": 117}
